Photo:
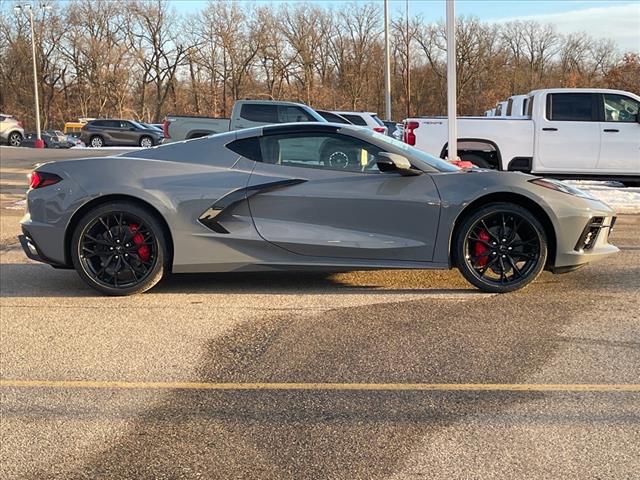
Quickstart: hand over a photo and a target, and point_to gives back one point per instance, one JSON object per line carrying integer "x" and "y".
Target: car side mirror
{"x": 392, "y": 162}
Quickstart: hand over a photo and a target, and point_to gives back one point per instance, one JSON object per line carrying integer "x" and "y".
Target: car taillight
{"x": 378, "y": 129}
{"x": 165, "y": 128}
{"x": 42, "y": 179}
{"x": 409, "y": 136}
{"x": 20, "y": 124}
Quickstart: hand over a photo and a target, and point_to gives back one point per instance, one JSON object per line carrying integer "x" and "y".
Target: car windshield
{"x": 413, "y": 153}
{"x": 137, "y": 125}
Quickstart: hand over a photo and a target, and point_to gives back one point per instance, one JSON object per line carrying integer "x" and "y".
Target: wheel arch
{"x": 96, "y": 202}
{"x": 485, "y": 141}
{"x": 516, "y": 199}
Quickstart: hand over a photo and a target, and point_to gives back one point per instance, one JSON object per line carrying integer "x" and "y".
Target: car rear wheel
{"x": 96, "y": 142}
{"x": 146, "y": 142}
{"x": 119, "y": 249}
{"x": 500, "y": 248}
{"x": 15, "y": 139}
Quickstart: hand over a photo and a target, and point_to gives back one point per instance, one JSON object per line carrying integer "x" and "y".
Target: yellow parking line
{"x": 400, "y": 387}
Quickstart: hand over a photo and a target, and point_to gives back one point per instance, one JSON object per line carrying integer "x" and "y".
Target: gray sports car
{"x": 303, "y": 196}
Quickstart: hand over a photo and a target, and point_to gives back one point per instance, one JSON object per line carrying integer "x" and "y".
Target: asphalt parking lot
{"x": 194, "y": 378}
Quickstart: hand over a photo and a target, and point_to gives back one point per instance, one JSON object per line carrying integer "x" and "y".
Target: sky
{"x": 615, "y": 19}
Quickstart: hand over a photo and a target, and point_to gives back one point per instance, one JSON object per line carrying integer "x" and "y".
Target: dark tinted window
{"x": 509, "y": 106}
{"x": 355, "y": 119}
{"x": 332, "y": 117}
{"x": 571, "y": 107}
{"x": 530, "y": 106}
{"x": 98, "y": 123}
{"x": 247, "y": 147}
{"x": 256, "y": 112}
{"x": 377, "y": 120}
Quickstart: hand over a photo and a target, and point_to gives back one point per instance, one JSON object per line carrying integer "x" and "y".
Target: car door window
{"x": 620, "y": 108}
{"x": 571, "y": 107}
{"x": 322, "y": 150}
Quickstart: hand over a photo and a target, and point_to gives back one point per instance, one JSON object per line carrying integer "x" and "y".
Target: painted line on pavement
{"x": 400, "y": 387}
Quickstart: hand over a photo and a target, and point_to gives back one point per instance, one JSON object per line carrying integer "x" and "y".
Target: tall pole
{"x": 451, "y": 81}
{"x": 408, "y": 61}
{"x": 39, "y": 143}
{"x": 387, "y": 64}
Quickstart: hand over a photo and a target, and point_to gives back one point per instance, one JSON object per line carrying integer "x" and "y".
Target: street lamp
{"x": 28, "y": 8}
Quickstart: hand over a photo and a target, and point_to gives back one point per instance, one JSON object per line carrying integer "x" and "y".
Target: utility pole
{"x": 387, "y": 64}
{"x": 39, "y": 143}
{"x": 451, "y": 81}
{"x": 408, "y": 61}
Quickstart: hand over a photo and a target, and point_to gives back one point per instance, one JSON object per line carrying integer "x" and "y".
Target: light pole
{"x": 27, "y": 7}
{"x": 387, "y": 64}
{"x": 452, "y": 145}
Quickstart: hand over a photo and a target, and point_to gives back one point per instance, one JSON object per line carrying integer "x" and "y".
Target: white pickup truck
{"x": 245, "y": 114}
{"x": 566, "y": 133}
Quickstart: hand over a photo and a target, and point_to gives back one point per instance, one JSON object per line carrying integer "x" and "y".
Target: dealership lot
{"x": 402, "y": 328}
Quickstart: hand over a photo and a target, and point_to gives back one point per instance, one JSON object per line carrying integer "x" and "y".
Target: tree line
{"x": 140, "y": 59}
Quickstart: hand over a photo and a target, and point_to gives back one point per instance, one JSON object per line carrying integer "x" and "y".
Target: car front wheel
{"x": 96, "y": 142}
{"x": 500, "y": 248}
{"x": 119, "y": 249}
{"x": 146, "y": 142}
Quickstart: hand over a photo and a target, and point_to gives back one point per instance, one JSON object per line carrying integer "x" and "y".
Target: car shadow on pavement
{"x": 339, "y": 434}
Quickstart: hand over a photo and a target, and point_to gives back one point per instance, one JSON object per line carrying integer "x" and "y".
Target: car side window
{"x": 322, "y": 150}
{"x": 571, "y": 107}
{"x": 355, "y": 119}
{"x": 620, "y": 108}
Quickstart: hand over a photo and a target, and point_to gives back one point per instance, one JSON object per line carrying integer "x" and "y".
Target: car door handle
{"x": 550, "y": 129}
{"x": 612, "y": 130}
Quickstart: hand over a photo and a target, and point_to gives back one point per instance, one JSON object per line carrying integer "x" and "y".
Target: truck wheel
{"x": 477, "y": 160}
{"x": 500, "y": 248}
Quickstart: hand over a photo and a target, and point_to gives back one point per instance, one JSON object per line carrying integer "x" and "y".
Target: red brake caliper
{"x": 138, "y": 239}
{"x": 479, "y": 248}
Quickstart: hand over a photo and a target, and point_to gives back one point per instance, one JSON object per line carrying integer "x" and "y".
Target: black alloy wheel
{"x": 501, "y": 248}
{"x": 119, "y": 249}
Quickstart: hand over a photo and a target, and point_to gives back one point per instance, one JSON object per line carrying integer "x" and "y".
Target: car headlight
{"x": 559, "y": 186}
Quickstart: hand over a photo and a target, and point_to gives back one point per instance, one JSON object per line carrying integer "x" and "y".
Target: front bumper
{"x": 587, "y": 244}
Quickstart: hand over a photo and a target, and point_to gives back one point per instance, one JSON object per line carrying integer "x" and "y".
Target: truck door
{"x": 620, "y": 135}
{"x": 568, "y": 134}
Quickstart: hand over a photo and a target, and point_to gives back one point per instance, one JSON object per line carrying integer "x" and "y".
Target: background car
{"x": 103, "y": 132}
{"x": 365, "y": 119}
{"x": 51, "y": 138}
{"x": 317, "y": 196}
{"x": 11, "y": 130}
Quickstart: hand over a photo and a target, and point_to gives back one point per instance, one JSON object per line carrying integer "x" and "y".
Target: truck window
{"x": 530, "y": 106}
{"x": 259, "y": 112}
{"x": 620, "y": 108}
{"x": 571, "y": 107}
{"x": 291, "y": 114}
{"x": 509, "y": 107}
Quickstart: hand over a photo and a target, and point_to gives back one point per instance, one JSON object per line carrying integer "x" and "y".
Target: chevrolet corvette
{"x": 314, "y": 196}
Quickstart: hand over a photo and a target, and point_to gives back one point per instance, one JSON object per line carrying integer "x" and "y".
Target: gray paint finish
{"x": 332, "y": 220}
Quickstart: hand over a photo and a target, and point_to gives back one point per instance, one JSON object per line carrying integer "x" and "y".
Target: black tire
{"x": 14, "y": 139}
{"x": 145, "y": 137}
{"x": 513, "y": 248}
{"x": 94, "y": 253}
{"x": 96, "y": 141}
{"x": 477, "y": 160}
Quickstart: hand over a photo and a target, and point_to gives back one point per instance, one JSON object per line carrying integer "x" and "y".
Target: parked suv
{"x": 99, "y": 133}
{"x": 11, "y": 130}
{"x": 365, "y": 119}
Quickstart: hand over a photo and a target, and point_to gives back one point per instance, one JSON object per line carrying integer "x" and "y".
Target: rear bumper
{"x": 32, "y": 251}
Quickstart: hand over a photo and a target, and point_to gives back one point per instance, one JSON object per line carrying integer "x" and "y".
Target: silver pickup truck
{"x": 245, "y": 114}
